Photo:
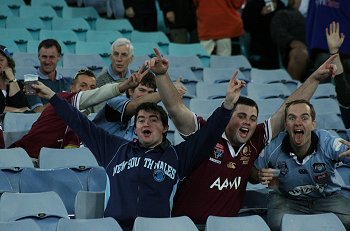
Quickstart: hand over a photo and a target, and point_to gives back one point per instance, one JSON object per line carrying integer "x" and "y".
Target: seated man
{"x": 143, "y": 174}
{"x": 50, "y": 131}
{"x": 306, "y": 158}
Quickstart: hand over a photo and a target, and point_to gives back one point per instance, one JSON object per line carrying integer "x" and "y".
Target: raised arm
{"x": 92, "y": 97}
{"x": 305, "y": 91}
{"x": 182, "y": 117}
{"x": 342, "y": 86}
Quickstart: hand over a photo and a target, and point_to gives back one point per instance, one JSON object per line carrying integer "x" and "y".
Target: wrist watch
{"x": 13, "y": 81}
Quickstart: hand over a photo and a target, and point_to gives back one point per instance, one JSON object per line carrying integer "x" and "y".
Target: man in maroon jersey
{"x": 217, "y": 186}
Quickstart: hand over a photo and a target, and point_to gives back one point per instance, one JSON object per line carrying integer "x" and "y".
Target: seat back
{"x": 314, "y": 222}
{"x": 89, "y": 205}
{"x": 19, "y": 225}
{"x": 246, "y": 223}
{"x": 182, "y": 223}
{"x": 204, "y": 106}
{"x": 105, "y": 224}
{"x": 44, "y": 208}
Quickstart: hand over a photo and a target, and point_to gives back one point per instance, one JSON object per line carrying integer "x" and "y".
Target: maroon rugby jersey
{"x": 217, "y": 186}
{"x": 49, "y": 130}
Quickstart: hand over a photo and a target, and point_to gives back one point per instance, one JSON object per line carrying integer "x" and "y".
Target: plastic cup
{"x": 30, "y": 79}
{"x": 274, "y": 182}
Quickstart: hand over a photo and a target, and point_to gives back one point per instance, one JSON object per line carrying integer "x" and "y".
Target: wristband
{"x": 13, "y": 81}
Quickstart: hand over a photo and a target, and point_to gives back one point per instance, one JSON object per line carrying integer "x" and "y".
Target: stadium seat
{"x": 44, "y": 208}
{"x": 329, "y": 121}
{"x": 246, "y": 223}
{"x": 5, "y": 12}
{"x": 105, "y": 224}
{"x": 344, "y": 173}
{"x": 22, "y": 70}
{"x": 10, "y": 44}
{"x": 100, "y": 5}
{"x": 255, "y": 200}
{"x": 267, "y": 107}
{"x": 325, "y": 105}
{"x": 13, "y": 5}
{"x": 274, "y": 76}
{"x": 45, "y": 13}
{"x": 68, "y": 72}
{"x": 204, "y": 106}
{"x": 145, "y": 48}
{"x": 102, "y": 36}
{"x": 16, "y": 125}
{"x": 266, "y": 91}
{"x": 183, "y": 223}
{"x": 192, "y": 62}
{"x": 78, "y": 158}
{"x": 94, "y": 62}
{"x": 235, "y": 61}
{"x": 77, "y": 25}
{"x": 121, "y": 25}
{"x": 196, "y": 49}
{"x": 158, "y": 37}
{"x": 314, "y": 222}
{"x": 33, "y": 25}
{"x": 88, "y": 13}
{"x": 325, "y": 90}
{"x": 32, "y": 47}
{"x": 19, "y": 225}
{"x": 19, "y": 36}
{"x": 221, "y": 75}
{"x": 89, "y": 48}
{"x": 138, "y": 61}
{"x": 57, "y": 5}
{"x": 89, "y": 205}
{"x": 188, "y": 79}
{"x": 66, "y": 37}
{"x": 26, "y": 59}
{"x": 211, "y": 91}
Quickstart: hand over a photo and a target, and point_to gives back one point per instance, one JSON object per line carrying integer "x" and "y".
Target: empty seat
{"x": 66, "y": 37}
{"x": 4, "y": 13}
{"x": 190, "y": 49}
{"x": 26, "y": 59}
{"x": 221, "y": 75}
{"x": 182, "y": 223}
{"x": 274, "y": 76}
{"x": 105, "y": 224}
{"x": 325, "y": 105}
{"x": 192, "y": 62}
{"x": 45, "y": 13}
{"x": 17, "y": 124}
{"x": 78, "y": 158}
{"x": 102, "y": 36}
{"x": 158, "y": 37}
{"x": 33, "y": 25}
{"x": 204, "y": 106}
{"x": 101, "y": 48}
{"x": 121, "y": 25}
{"x": 88, "y": 13}
{"x": 314, "y": 222}
{"x": 329, "y": 121}
{"x": 44, "y": 208}
{"x": 145, "y": 48}
{"x": 188, "y": 79}
{"x": 267, "y": 91}
{"x": 57, "y": 5}
{"x": 89, "y": 205}
{"x": 19, "y": 225}
{"x": 93, "y": 62}
{"x": 211, "y": 91}
{"x": 32, "y": 47}
{"x": 138, "y": 61}
{"x": 78, "y": 25}
{"x": 10, "y": 44}
{"x": 19, "y": 36}
{"x": 68, "y": 72}
{"x": 22, "y": 70}
{"x": 235, "y": 61}
{"x": 325, "y": 90}
{"x": 344, "y": 173}
{"x": 246, "y": 223}
{"x": 267, "y": 107}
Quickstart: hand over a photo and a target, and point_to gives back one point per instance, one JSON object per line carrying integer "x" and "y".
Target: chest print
{"x": 245, "y": 155}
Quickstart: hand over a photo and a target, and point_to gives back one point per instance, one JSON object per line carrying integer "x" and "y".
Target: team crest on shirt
{"x": 231, "y": 165}
{"x": 218, "y": 153}
{"x": 322, "y": 179}
{"x": 319, "y": 167}
{"x": 158, "y": 175}
{"x": 245, "y": 156}
{"x": 283, "y": 167}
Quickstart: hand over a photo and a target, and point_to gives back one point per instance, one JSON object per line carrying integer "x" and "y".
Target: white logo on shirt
{"x": 226, "y": 183}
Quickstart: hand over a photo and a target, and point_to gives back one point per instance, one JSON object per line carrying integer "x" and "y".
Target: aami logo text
{"x": 226, "y": 184}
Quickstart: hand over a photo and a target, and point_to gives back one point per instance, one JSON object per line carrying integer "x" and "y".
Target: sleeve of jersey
{"x": 102, "y": 144}
{"x": 194, "y": 150}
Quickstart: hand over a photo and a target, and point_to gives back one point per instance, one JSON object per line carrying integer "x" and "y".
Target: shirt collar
{"x": 230, "y": 147}
{"x": 116, "y": 76}
{"x": 44, "y": 76}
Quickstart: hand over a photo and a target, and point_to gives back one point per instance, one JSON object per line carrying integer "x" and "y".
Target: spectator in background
{"x": 116, "y": 117}
{"x": 257, "y": 18}
{"x": 180, "y": 17}
{"x": 217, "y": 22}
{"x": 15, "y": 100}
{"x": 51, "y": 131}
{"x": 320, "y": 15}
{"x": 335, "y": 40}
{"x": 122, "y": 53}
{"x": 142, "y": 14}
{"x": 288, "y": 32}
{"x": 306, "y": 158}
{"x": 49, "y": 54}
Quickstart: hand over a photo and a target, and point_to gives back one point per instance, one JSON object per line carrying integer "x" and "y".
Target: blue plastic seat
{"x": 211, "y": 91}
{"x": 158, "y": 37}
{"x": 204, "y": 106}
{"x": 161, "y": 224}
{"x": 235, "y": 61}
{"x": 101, "y": 48}
{"x": 10, "y": 44}
{"x": 78, "y": 25}
{"x": 190, "y": 49}
{"x": 33, "y": 25}
{"x": 325, "y": 90}
{"x": 19, "y": 225}
{"x": 19, "y": 36}
{"x": 32, "y": 47}
{"x": 247, "y": 223}
{"x": 325, "y": 105}
{"x": 267, "y": 91}
{"x": 107, "y": 36}
{"x": 145, "y": 48}
{"x": 105, "y": 224}
{"x": 93, "y": 62}
{"x": 57, "y": 5}
{"x": 67, "y": 37}
{"x": 13, "y": 5}
{"x": 192, "y": 62}
{"x": 5, "y": 12}
{"x": 45, "y": 13}
{"x": 121, "y": 25}
{"x": 26, "y": 59}
{"x": 88, "y": 13}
